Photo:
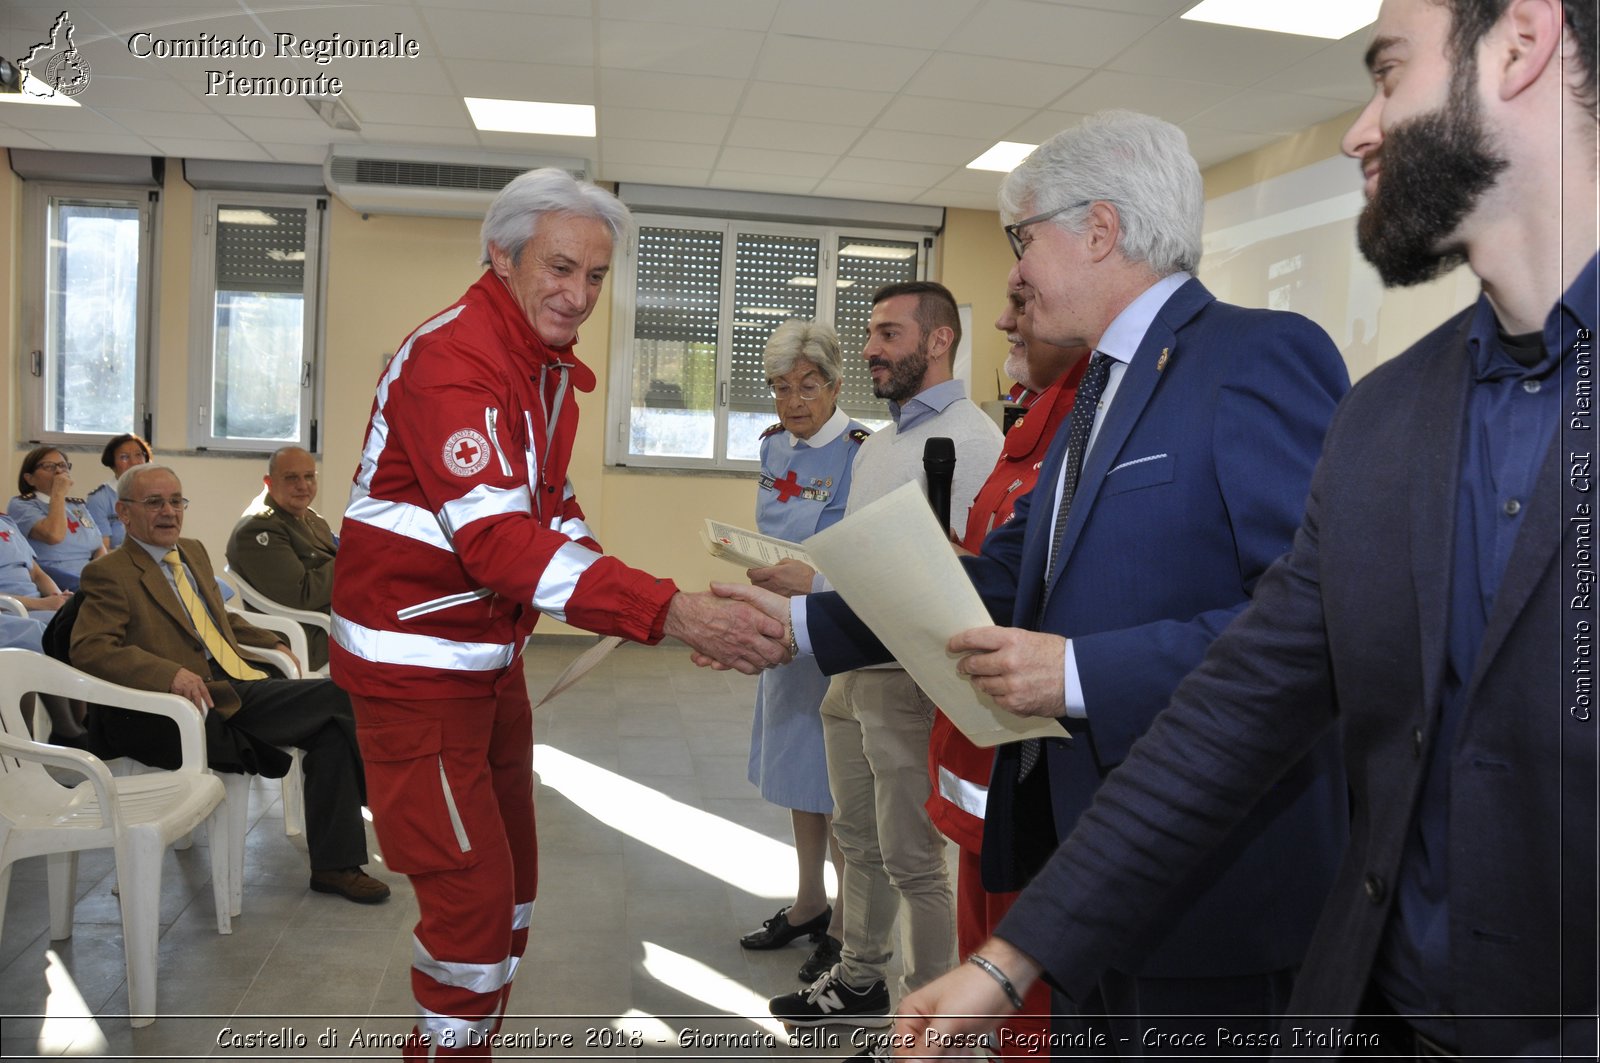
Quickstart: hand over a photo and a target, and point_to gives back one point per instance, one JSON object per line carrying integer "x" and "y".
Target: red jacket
{"x": 462, "y": 526}
{"x": 960, "y": 770}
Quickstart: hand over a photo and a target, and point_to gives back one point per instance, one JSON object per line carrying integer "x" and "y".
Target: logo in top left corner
{"x": 54, "y": 65}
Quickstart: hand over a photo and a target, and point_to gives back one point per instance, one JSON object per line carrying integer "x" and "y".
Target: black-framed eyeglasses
{"x": 53, "y": 466}
{"x": 1014, "y": 230}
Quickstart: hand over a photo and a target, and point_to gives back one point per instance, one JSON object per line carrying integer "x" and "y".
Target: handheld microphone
{"x": 939, "y": 466}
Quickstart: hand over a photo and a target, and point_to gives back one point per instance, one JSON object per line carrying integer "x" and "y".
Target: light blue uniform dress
{"x": 103, "y": 508}
{"x": 63, "y": 560}
{"x": 804, "y": 484}
{"x": 16, "y": 562}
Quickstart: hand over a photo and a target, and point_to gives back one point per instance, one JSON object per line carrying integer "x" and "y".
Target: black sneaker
{"x": 822, "y": 959}
{"x": 829, "y": 1000}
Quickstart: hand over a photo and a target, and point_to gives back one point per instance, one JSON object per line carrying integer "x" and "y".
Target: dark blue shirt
{"x": 1512, "y": 413}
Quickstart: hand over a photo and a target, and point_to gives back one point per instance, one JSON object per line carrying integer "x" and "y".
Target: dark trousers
{"x": 315, "y": 716}
{"x": 1130, "y": 1017}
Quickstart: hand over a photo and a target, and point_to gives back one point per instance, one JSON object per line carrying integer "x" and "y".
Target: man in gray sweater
{"x": 875, "y": 721}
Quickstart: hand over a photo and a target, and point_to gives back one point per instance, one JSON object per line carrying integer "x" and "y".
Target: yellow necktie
{"x": 221, "y": 650}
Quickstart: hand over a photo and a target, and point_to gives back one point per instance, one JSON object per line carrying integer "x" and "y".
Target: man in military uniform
{"x": 284, "y": 548}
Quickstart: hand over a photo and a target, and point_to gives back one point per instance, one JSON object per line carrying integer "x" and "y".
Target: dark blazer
{"x": 1193, "y": 488}
{"x": 1350, "y": 629}
{"x": 132, "y": 629}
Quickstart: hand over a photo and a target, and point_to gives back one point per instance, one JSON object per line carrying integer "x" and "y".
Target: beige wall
{"x": 387, "y": 273}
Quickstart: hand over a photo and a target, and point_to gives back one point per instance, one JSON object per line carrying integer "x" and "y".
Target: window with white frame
{"x": 695, "y": 300}
{"x": 256, "y": 324}
{"x": 86, "y": 296}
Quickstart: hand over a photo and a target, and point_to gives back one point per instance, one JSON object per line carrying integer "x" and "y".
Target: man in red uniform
{"x": 462, "y": 528}
{"x": 1047, "y": 380}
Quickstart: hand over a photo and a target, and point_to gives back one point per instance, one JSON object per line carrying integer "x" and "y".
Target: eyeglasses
{"x": 1014, "y": 230}
{"x": 156, "y": 505}
{"x": 53, "y": 466}
{"x": 809, "y": 391}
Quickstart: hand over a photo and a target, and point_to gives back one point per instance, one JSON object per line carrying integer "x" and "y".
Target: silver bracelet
{"x": 998, "y": 975}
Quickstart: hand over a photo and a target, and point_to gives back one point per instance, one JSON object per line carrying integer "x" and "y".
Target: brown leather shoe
{"x": 351, "y": 883}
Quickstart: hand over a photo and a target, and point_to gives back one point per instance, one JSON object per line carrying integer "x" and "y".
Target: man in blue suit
{"x": 1190, "y": 480}
{"x": 1438, "y": 607}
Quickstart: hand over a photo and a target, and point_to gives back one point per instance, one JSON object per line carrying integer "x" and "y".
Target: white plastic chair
{"x": 136, "y": 816}
{"x": 14, "y": 606}
{"x": 260, "y": 603}
{"x": 294, "y": 783}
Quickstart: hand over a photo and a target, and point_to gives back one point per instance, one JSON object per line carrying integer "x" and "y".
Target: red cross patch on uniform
{"x": 466, "y": 452}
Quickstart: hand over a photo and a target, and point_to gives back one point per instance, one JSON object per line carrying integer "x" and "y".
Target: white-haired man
{"x": 462, "y": 529}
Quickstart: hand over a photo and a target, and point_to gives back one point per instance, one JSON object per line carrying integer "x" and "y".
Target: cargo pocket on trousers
{"x": 414, "y": 810}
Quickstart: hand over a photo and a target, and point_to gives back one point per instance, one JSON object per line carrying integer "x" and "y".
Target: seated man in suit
{"x": 284, "y": 548}
{"x": 142, "y": 623}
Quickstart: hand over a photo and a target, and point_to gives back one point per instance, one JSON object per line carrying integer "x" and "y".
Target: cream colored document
{"x": 748, "y": 549}
{"x": 581, "y": 665}
{"x": 894, "y": 567}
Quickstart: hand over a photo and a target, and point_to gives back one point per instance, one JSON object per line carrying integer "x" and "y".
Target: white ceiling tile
{"x": 657, "y": 152}
{"x": 307, "y": 154}
{"x": 792, "y": 136}
{"x": 16, "y": 138}
{"x": 654, "y": 175}
{"x": 634, "y": 123}
{"x": 1211, "y": 146}
{"x": 423, "y": 76}
{"x": 763, "y": 160}
{"x": 731, "y": 14}
{"x": 885, "y": 171}
{"x": 976, "y": 77}
{"x": 158, "y": 123}
{"x": 867, "y": 191}
{"x": 1042, "y": 126}
{"x": 307, "y": 130}
{"x": 232, "y": 150}
{"x": 1197, "y": 51}
{"x": 528, "y": 144}
{"x": 669, "y": 92}
{"x": 894, "y": 144}
{"x": 1169, "y": 98}
{"x": 1279, "y": 114}
{"x": 570, "y": 8}
{"x": 1159, "y": 8}
{"x": 1338, "y": 72}
{"x": 784, "y": 184}
{"x": 546, "y": 82}
{"x": 114, "y": 145}
{"x": 808, "y": 61}
{"x": 150, "y": 94}
{"x": 430, "y": 136}
{"x": 402, "y": 108}
{"x": 67, "y": 119}
{"x": 369, "y": 21}
{"x": 1064, "y": 36}
{"x": 672, "y": 49}
{"x": 940, "y": 197}
{"x": 768, "y": 99}
{"x": 286, "y": 107}
{"x": 923, "y": 114}
{"x": 511, "y": 37}
{"x": 907, "y": 23}
{"x": 978, "y": 182}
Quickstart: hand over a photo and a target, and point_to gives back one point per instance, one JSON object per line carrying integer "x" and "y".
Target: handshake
{"x": 733, "y": 626}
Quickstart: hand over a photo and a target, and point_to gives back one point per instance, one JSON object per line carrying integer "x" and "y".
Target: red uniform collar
{"x": 523, "y": 341}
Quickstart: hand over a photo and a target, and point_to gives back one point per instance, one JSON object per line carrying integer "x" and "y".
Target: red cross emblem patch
{"x": 466, "y": 452}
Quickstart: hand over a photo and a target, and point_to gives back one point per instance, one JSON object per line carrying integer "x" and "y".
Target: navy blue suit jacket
{"x": 1350, "y": 629}
{"x": 1193, "y": 487}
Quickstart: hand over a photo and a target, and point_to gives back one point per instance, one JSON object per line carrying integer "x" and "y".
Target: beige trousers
{"x": 876, "y": 725}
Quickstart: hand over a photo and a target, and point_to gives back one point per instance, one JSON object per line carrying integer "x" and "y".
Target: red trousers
{"x": 450, "y": 785}
{"x": 1026, "y": 1035}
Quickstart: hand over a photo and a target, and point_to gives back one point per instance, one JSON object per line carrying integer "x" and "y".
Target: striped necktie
{"x": 1079, "y": 426}
{"x": 221, "y": 650}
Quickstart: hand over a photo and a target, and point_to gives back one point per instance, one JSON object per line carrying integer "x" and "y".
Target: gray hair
{"x": 815, "y": 341}
{"x": 1139, "y": 164}
{"x": 515, "y": 212}
{"x": 126, "y": 480}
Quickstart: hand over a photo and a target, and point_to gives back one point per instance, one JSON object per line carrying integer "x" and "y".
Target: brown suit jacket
{"x": 132, "y": 629}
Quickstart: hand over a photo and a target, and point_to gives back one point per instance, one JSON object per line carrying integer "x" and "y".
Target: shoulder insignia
{"x": 859, "y": 434}
{"x": 773, "y": 430}
{"x": 261, "y": 538}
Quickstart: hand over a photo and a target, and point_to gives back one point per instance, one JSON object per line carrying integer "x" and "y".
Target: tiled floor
{"x": 656, "y": 854}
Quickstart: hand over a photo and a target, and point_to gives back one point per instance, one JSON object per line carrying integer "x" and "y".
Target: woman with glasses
{"x": 805, "y": 478}
{"x": 57, "y": 523}
{"x": 120, "y": 454}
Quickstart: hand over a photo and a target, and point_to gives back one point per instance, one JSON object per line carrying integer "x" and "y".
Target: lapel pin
{"x": 1161, "y": 363}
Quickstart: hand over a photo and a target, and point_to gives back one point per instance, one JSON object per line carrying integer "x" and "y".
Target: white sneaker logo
{"x": 828, "y": 1001}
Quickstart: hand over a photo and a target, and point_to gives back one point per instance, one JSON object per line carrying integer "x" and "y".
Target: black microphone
{"x": 939, "y": 466}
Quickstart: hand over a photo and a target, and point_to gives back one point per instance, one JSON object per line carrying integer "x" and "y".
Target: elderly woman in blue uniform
{"x": 120, "y": 454}
{"x": 805, "y": 477}
{"x": 57, "y": 524}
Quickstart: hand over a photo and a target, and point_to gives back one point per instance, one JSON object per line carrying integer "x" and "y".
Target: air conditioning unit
{"x": 438, "y": 182}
